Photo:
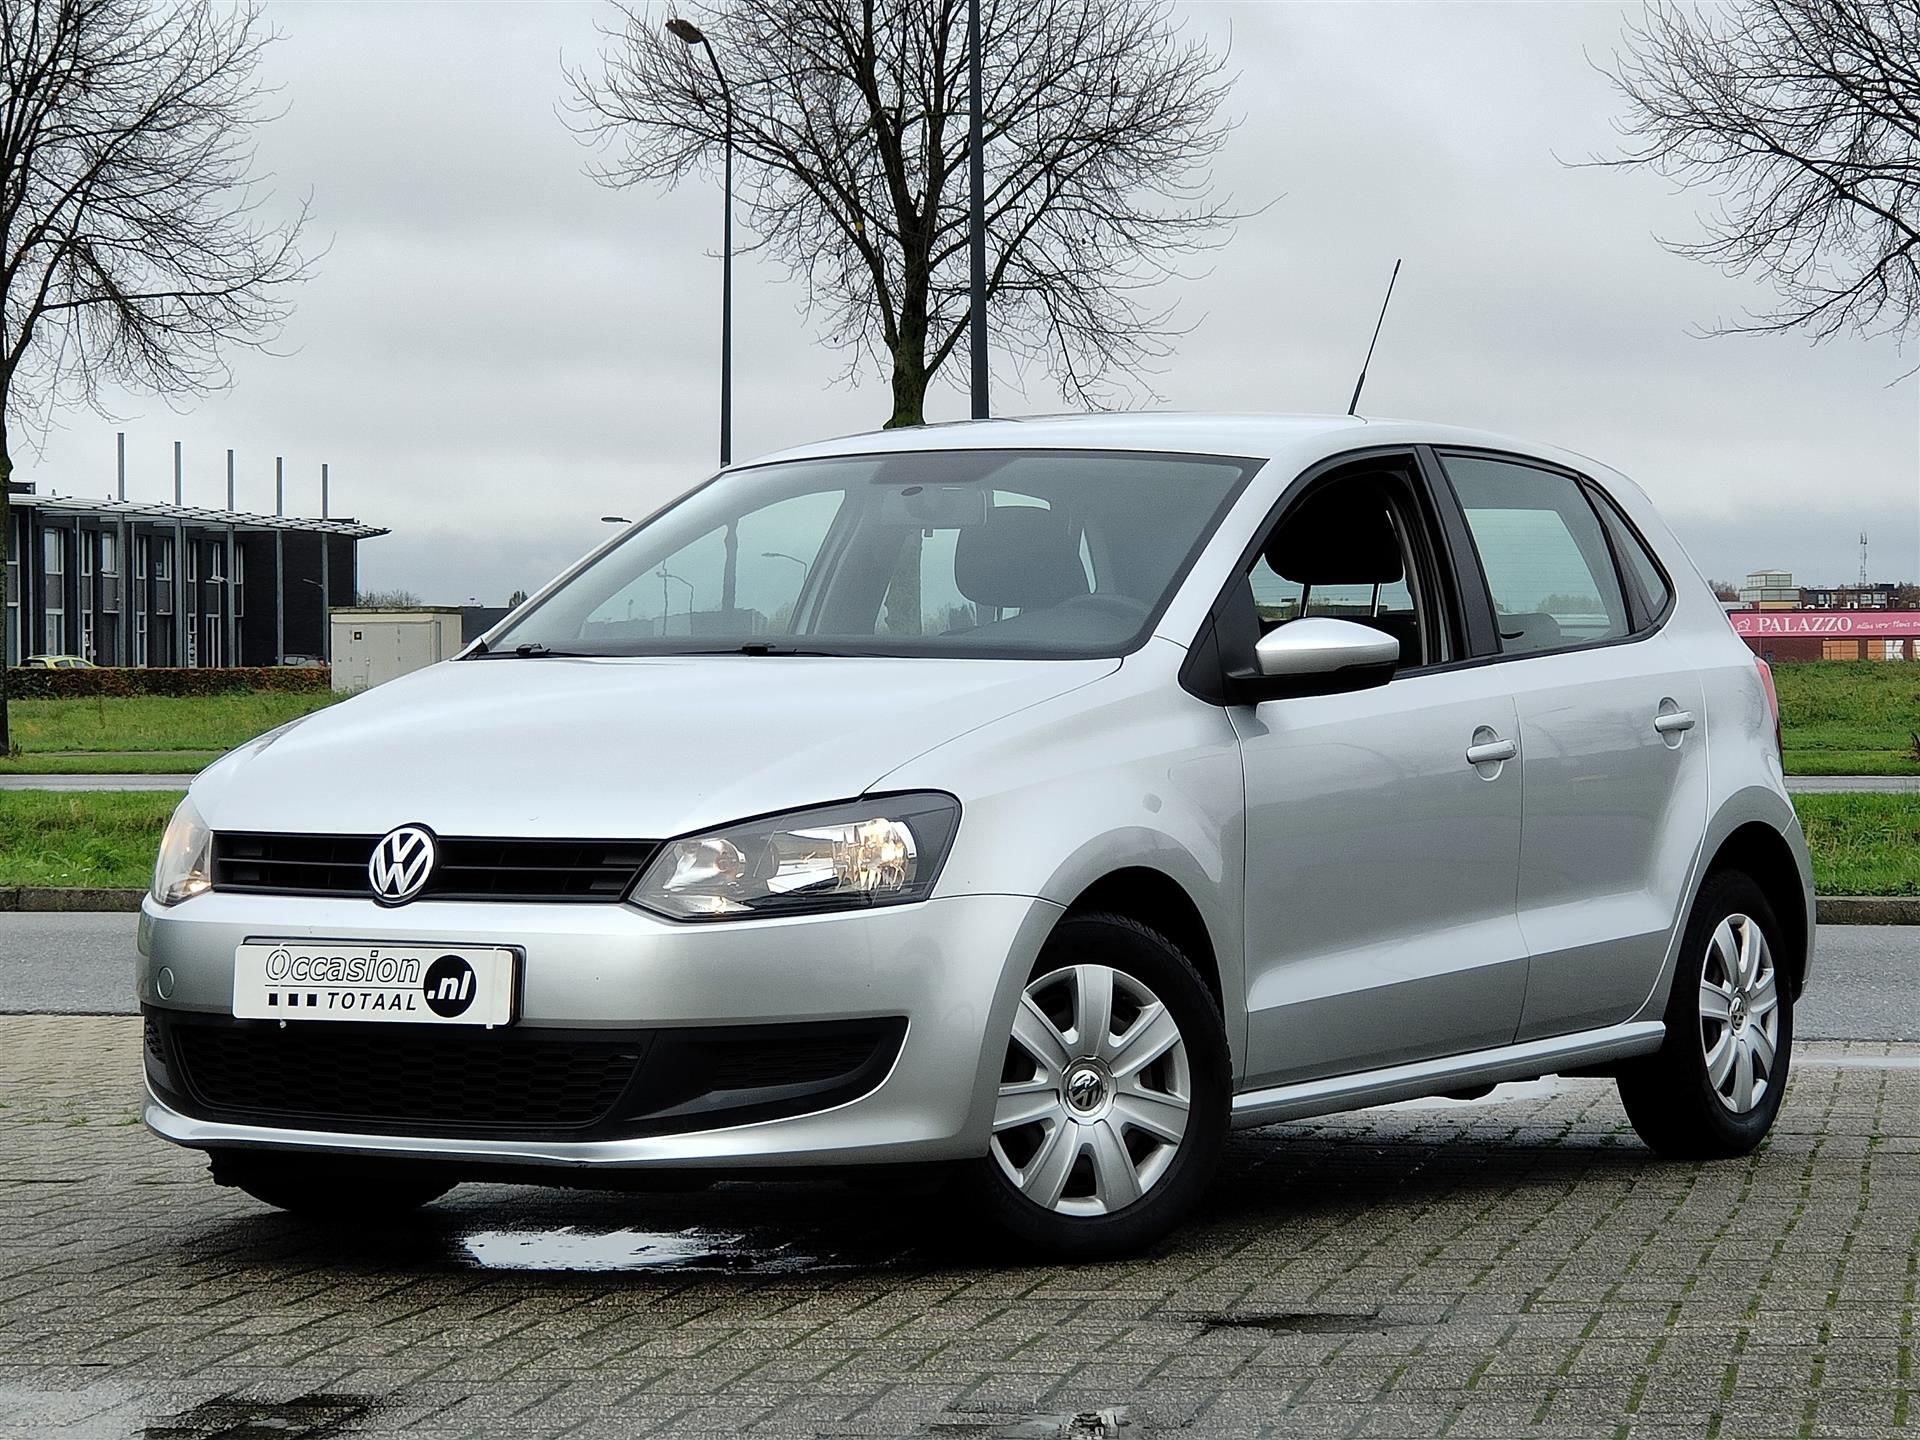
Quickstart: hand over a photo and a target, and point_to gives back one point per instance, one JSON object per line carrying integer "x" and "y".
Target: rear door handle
{"x": 1491, "y": 751}
{"x": 1673, "y": 722}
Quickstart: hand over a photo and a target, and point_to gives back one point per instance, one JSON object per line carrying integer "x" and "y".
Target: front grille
{"x": 467, "y": 869}
{"x": 390, "y": 1077}
{"x": 514, "y": 1083}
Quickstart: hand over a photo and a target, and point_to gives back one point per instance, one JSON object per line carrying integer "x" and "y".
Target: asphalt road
{"x": 1866, "y": 977}
{"x": 94, "y": 782}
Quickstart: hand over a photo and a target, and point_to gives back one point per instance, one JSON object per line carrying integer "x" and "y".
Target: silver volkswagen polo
{"x": 1032, "y": 800}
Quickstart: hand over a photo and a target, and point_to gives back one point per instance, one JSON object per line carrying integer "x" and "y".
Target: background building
{"x": 1881, "y": 596}
{"x": 1770, "y": 590}
{"x": 1829, "y": 634}
{"x": 131, "y": 583}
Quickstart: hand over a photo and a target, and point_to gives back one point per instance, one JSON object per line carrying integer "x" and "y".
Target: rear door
{"x": 1613, "y": 746}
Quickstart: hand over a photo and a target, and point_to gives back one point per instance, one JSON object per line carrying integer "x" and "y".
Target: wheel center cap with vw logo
{"x": 1087, "y": 1087}
{"x": 401, "y": 863}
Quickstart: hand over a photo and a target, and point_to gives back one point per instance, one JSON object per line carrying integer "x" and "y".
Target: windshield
{"x": 1041, "y": 553}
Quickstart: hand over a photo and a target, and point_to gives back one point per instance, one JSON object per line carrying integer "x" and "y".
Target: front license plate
{"x": 353, "y": 980}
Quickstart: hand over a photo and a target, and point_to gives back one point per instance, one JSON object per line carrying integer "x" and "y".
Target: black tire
{"x": 1670, "y": 1096}
{"x": 331, "y": 1188}
{"x": 1138, "y": 956}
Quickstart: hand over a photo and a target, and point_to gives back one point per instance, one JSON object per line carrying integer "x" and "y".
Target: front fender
{"x": 1129, "y": 772}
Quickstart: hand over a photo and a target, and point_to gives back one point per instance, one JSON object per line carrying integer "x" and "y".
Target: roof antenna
{"x": 1360, "y": 384}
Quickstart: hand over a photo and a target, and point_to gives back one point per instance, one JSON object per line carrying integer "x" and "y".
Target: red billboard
{"x": 1841, "y": 624}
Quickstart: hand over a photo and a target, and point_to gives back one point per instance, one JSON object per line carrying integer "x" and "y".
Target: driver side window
{"x": 1346, "y": 551}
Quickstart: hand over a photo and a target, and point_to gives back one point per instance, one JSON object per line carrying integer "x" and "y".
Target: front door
{"x": 1383, "y": 826}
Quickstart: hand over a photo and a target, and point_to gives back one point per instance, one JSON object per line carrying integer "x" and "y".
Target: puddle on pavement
{"x": 308, "y": 1417}
{"x": 1112, "y": 1423}
{"x": 568, "y": 1249}
{"x": 1083, "y": 1425}
{"x": 1309, "y": 1322}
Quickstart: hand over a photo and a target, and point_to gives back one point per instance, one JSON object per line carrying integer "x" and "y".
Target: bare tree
{"x": 388, "y": 600}
{"x": 850, "y": 117}
{"x": 1802, "y": 119}
{"x": 129, "y": 245}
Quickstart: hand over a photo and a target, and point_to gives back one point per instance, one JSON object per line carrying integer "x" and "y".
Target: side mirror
{"x": 1317, "y": 656}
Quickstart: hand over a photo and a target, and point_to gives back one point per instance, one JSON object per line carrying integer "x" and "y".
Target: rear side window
{"x": 1642, "y": 570}
{"x": 1543, "y": 553}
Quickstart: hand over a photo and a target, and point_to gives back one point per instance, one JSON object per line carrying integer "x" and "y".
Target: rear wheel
{"x": 1714, "y": 1087}
{"x": 1113, "y": 1096}
{"x": 330, "y": 1188}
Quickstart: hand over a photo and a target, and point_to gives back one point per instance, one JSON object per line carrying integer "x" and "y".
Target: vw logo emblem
{"x": 1085, "y": 1089}
{"x": 401, "y": 863}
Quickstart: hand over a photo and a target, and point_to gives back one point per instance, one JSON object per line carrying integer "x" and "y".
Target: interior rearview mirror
{"x": 935, "y": 507}
{"x": 1318, "y": 655}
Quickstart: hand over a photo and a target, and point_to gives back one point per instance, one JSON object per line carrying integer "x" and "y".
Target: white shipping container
{"x": 371, "y": 647}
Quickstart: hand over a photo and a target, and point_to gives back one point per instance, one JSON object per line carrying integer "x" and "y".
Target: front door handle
{"x": 1490, "y": 752}
{"x": 1673, "y": 722}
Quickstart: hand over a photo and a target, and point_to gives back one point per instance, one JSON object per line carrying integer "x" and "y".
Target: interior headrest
{"x": 1342, "y": 535}
{"x": 1524, "y": 631}
{"x": 1022, "y": 558}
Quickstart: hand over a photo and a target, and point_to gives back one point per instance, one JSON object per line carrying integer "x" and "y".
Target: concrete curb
{"x": 1868, "y": 909}
{"x": 47, "y": 897}
{"x": 1831, "y": 909}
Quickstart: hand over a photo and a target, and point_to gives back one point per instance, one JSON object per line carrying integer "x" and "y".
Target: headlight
{"x": 185, "y": 866}
{"x": 886, "y": 850}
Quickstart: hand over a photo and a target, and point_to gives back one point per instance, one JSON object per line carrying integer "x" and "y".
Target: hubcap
{"x": 1739, "y": 1014}
{"x": 1088, "y": 1089}
{"x": 1095, "y": 1092}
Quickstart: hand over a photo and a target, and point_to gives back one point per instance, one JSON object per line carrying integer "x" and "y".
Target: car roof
{"x": 1299, "y": 439}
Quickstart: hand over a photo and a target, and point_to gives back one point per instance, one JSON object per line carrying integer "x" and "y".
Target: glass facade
{"x": 157, "y": 586}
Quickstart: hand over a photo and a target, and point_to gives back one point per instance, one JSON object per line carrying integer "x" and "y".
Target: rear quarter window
{"x": 1642, "y": 571}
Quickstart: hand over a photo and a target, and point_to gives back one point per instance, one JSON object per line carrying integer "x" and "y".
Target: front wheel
{"x": 1713, "y": 1088}
{"x": 1113, "y": 1097}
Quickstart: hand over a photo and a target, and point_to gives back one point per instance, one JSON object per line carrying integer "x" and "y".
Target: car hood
{"x": 613, "y": 748}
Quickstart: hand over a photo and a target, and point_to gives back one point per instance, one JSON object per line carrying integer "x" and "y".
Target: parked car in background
{"x": 59, "y": 662}
{"x": 1033, "y": 799}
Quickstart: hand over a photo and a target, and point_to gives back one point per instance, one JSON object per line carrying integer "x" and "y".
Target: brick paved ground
{"x": 1515, "y": 1268}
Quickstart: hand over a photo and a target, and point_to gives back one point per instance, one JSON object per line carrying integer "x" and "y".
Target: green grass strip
{"x": 137, "y": 762}
{"x": 96, "y": 838}
{"x": 1863, "y": 844}
{"x": 154, "y": 723}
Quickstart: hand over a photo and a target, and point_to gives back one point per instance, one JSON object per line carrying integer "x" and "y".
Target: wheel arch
{"x": 1161, "y": 903}
{"x": 1763, "y": 854}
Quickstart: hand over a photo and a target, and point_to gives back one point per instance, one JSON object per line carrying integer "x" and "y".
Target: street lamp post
{"x": 666, "y": 605}
{"x": 806, "y": 567}
{"x": 976, "y": 175}
{"x": 689, "y": 33}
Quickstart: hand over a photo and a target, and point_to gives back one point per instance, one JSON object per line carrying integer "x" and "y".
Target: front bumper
{"x": 951, "y": 968}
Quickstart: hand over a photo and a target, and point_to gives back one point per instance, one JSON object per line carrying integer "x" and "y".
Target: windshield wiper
{"x": 531, "y": 650}
{"x": 765, "y": 647}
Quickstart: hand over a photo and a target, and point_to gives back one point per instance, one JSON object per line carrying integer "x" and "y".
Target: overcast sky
{"x": 496, "y": 352}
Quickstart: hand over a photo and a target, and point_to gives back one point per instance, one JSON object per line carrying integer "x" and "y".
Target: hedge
{"x": 113, "y": 680}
